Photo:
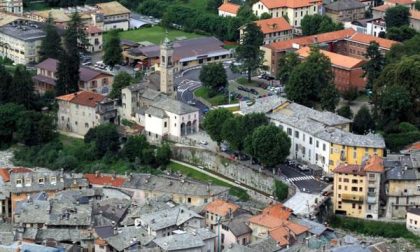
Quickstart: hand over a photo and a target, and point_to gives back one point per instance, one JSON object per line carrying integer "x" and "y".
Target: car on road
{"x": 303, "y": 167}
{"x": 243, "y": 89}
{"x": 203, "y": 142}
{"x": 266, "y": 77}
{"x": 191, "y": 102}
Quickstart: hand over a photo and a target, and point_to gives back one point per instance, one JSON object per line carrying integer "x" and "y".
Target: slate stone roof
{"x": 175, "y": 216}
{"x": 127, "y": 237}
{"x": 174, "y": 106}
{"x": 238, "y": 225}
{"x": 342, "y": 5}
{"x": 184, "y": 241}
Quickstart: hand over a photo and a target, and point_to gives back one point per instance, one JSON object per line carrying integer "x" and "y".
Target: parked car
{"x": 242, "y": 88}
{"x": 253, "y": 91}
{"x": 203, "y": 142}
{"x": 191, "y": 102}
{"x": 224, "y": 147}
{"x": 303, "y": 167}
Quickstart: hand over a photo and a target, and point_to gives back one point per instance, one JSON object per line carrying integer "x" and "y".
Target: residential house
{"x": 195, "y": 240}
{"x": 401, "y": 184}
{"x": 345, "y": 10}
{"x": 219, "y": 210}
{"x": 372, "y": 26}
{"x": 20, "y": 41}
{"x": 319, "y": 138}
{"x": 92, "y": 80}
{"x": 12, "y": 6}
{"x": 273, "y": 29}
{"x": 234, "y": 230}
{"x": 347, "y": 71}
{"x": 293, "y": 10}
{"x": 413, "y": 220}
{"x": 228, "y": 9}
{"x": 78, "y": 112}
{"x": 346, "y": 42}
{"x": 122, "y": 239}
{"x": 94, "y": 37}
{"x": 357, "y": 189}
{"x": 116, "y": 16}
{"x": 379, "y": 11}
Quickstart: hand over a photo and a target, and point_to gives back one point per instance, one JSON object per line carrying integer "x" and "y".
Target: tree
{"x": 213, "y": 5}
{"x": 265, "y": 15}
{"x": 5, "y": 85}
{"x": 132, "y": 149}
{"x": 112, "y": 48}
{"x": 51, "y": 43}
{"x": 269, "y": 144}
{"x": 9, "y": 114}
{"x": 345, "y": 111}
{"x": 213, "y": 123}
{"x": 394, "y": 104}
{"x": 281, "y": 191}
{"x": 315, "y": 24}
{"x": 329, "y": 97}
{"x": 105, "y": 139}
{"x": 397, "y": 16}
{"x": 286, "y": 64}
{"x": 163, "y": 155}
{"x": 121, "y": 80}
{"x": 363, "y": 121}
{"x": 407, "y": 48}
{"x": 417, "y": 5}
{"x": 233, "y": 132}
{"x": 248, "y": 52}
{"x": 373, "y": 68}
{"x": 245, "y": 14}
{"x": 400, "y": 34}
{"x": 254, "y": 120}
{"x": 35, "y": 128}
{"x": 22, "y": 87}
{"x": 213, "y": 76}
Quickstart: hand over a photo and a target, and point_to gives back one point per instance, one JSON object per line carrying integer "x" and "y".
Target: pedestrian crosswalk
{"x": 300, "y": 178}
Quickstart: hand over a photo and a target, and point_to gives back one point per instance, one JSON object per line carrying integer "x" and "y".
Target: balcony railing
{"x": 352, "y": 197}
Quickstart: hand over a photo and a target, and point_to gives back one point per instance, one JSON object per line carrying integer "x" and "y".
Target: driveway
{"x": 303, "y": 180}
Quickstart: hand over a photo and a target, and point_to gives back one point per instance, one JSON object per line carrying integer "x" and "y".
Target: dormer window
{"x": 28, "y": 181}
{"x": 53, "y": 180}
{"x": 41, "y": 181}
{"x": 18, "y": 182}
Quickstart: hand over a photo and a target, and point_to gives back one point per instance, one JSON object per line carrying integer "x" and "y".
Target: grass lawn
{"x": 154, "y": 34}
{"x": 244, "y": 81}
{"x": 191, "y": 173}
{"x": 219, "y": 99}
{"x": 195, "y": 4}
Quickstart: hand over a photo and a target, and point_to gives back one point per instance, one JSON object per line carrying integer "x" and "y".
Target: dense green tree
{"x": 245, "y": 13}
{"x": 163, "y": 155}
{"x": 329, "y": 98}
{"x": 254, "y": 120}
{"x": 345, "y": 111}
{"x": 213, "y": 76}
{"x": 35, "y": 128}
{"x": 121, "y": 80}
{"x": 286, "y": 64}
{"x": 105, "y": 139}
{"x": 132, "y": 149}
{"x": 269, "y": 144}
{"x": 394, "y": 104}
{"x": 350, "y": 94}
{"x": 400, "y": 34}
{"x": 248, "y": 52}
{"x": 281, "y": 191}
{"x": 265, "y": 15}
{"x": 5, "y": 85}
{"x": 9, "y": 114}
{"x": 417, "y": 5}
{"x": 213, "y": 5}
{"x": 363, "y": 121}
{"x": 22, "y": 88}
{"x": 407, "y": 48}
{"x": 315, "y": 24}
{"x": 112, "y": 48}
{"x": 213, "y": 123}
{"x": 233, "y": 132}
{"x": 376, "y": 62}
{"x": 153, "y": 8}
{"x": 397, "y": 16}
{"x": 51, "y": 43}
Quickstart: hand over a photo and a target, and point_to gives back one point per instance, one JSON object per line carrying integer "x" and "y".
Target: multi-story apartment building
{"x": 293, "y": 10}
{"x": 116, "y": 16}
{"x": 94, "y": 37}
{"x": 273, "y": 29}
{"x": 90, "y": 79}
{"x": 319, "y": 138}
{"x": 78, "y": 112}
{"x": 12, "y": 6}
{"x": 20, "y": 41}
{"x": 357, "y": 188}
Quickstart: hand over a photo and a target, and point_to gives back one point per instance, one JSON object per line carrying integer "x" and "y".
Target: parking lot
{"x": 304, "y": 180}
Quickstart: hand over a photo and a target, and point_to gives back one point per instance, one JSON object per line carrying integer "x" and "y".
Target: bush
{"x": 407, "y": 127}
{"x": 281, "y": 190}
{"x": 397, "y": 141}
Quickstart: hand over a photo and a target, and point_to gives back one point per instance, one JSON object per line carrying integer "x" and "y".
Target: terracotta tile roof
{"x": 350, "y": 169}
{"x": 278, "y": 210}
{"x": 99, "y": 179}
{"x": 413, "y": 147}
{"x": 4, "y": 173}
{"x": 374, "y": 164}
{"x": 20, "y": 170}
{"x": 382, "y": 8}
{"x": 287, "y": 230}
{"x": 296, "y": 228}
{"x": 266, "y": 220}
{"x": 229, "y": 8}
{"x": 83, "y": 98}
{"x": 273, "y": 25}
{"x": 336, "y": 59}
{"x": 221, "y": 207}
{"x": 273, "y": 4}
{"x": 366, "y": 39}
{"x": 402, "y": 2}
{"x": 415, "y": 14}
{"x": 309, "y": 40}
{"x": 93, "y": 29}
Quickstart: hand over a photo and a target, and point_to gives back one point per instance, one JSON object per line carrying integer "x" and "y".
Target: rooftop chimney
{"x": 97, "y": 174}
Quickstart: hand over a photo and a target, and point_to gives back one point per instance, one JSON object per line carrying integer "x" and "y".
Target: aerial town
{"x": 209, "y": 125}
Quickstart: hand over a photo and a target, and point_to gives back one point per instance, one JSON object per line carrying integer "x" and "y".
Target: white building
{"x": 78, "y": 112}
{"x": 228, "y": 9}
{"x": 12, "y": 6}
{"x": 373, "y": 26}
{"x": 116, "y": 16}
{"x": 413, "y": 220}
{"x": 94, "y": 37}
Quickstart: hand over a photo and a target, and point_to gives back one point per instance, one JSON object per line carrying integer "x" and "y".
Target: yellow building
{"x": 357, "y": 188}
{"x": 340, "y": 153}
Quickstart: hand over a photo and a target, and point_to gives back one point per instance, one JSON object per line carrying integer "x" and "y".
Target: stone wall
{"x": 226, "y": 167}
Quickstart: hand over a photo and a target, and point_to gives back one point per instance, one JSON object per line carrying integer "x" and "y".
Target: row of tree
{"x": 397, "y": 20}
{"x": 251, "y": 134}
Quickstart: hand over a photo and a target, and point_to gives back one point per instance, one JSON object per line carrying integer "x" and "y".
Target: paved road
{"x": 303, "y": 180}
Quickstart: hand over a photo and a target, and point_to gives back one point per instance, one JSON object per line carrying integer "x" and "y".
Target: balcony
{"x": 371, "y": 194}
{"x": 352, "y": 197}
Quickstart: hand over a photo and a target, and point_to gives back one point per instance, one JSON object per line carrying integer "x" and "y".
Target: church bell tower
{"x": 166, "y": 67}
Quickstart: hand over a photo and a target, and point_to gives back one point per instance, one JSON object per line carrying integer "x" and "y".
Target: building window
{"x": 339, "y": 187}
{"x": 53, "y": 180}
{"x": 360, "y": 207}
{"x": 317, "y": 144}
{"x": 353, "y": 205}
{"x": 324, "y": 147}
{"x": 346, "y": 180}
{"x": 189, "y": 200}
{"x": 360, "y": 189}
{"x": 354, "y": 189}
{"x": 296, "y": 134}
{"x": 289, "y": 131}
{"x": 354, "y": 181}
{"x": 339, "y": 179}
{"x": 310, "y": 140}
{"x": 165, "y": 124}
{"x": 41, "y": 181}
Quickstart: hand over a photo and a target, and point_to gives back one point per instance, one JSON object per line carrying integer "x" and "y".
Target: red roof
{"x": 273, "y": 4}
{"x": 273, "y": 25}
{"x": 278, "y": 210}
{"x": 401, "y": 2}
{"x": 366, "y": 39}
{"x": 221, "y": 207}
{"x": 350, "y": 169}
{"x": 229, "y": 8}
{"x": 272, "y": 216}
{"x": 5, "y": 172}
{"x": 83, "y": 98}
{"x": 374, "y": 164}
{"x": 99, "y": 179}
{"x": 336, "y": 59}
{"x": 93, "y": 29}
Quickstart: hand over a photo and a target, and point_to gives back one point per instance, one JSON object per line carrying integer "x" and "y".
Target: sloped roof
{"x": 221, "y": 207}
{"x": 335, "y": 58}
{"x": 272, "y": 4}
{"x": 105, "y": 180}
{"x": 49, "y": 64}
{"x": 112, "y": 8}
{"x": 83, "y": 98}
{"x": 366, "y": 39}
{"x": 278, "y": 210}
{"x": 341, "y": 5}
{"x": 273, "y": 25}
{"x": 374, "y": 164}
{"x": 229, "y": 7}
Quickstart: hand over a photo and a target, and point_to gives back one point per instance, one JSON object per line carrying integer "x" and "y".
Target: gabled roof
{"x": 342, "y": 5}
{"x": 273, "y": 25}
{"x": 48, "y": 64}
{"x": 278, "y": 211}
{"x": 374, "y": 164}
{"x": 99, "y": 179}
{"x": 336, "y": 59}
{"x": 221, "y": 207}
{"x": 273, "y": 4}
{"x": 83, "y": 98}
{"x": 366, "y": 39}
{"x": 112, "y": 8}
{"x": 229, "y": 8}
